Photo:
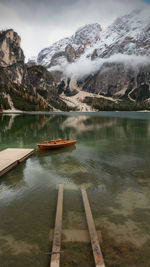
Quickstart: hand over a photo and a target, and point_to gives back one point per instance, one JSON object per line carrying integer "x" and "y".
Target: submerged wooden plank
{"x": 55, "y": 258}
{"x": 75, "y": 187}
{"x": 10, "y": 157}
{"x": 69, "y": 187}
{"x": 98, "y": 257}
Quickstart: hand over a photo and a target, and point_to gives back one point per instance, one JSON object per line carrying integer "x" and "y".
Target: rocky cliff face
{"x": 12, "y": 57}
{"x": 10, "y": 51}
{"x": 117, "y": 80}
{"x": 23, "y": 86}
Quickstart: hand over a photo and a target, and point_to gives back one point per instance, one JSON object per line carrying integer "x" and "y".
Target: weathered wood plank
{"x": 7, "y": 165}
{"x": 10, "y": 157}
{"x": 55, "y": 258}
{"x": 98, "y": 257}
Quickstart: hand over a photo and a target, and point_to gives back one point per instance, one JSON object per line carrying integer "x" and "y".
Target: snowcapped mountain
{"x": 129, "y": 35}
{"x": 113, "y": 65}
{"x": 68, "y": 49}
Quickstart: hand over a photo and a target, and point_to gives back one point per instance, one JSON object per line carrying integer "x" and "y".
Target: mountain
{"x": 113, "y": 64}
{"x": 126, "y": 78}
{"x": 70, "y": 49}
{"x": 24, "y": 86}
{"x": 129, "y": 34}
{"x": 92, "y": 70}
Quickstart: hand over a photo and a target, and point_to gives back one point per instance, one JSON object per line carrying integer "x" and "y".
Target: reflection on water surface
{"x": 111, "y": 158}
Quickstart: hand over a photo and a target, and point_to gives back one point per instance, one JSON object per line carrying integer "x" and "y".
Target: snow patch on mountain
{"x": 83, "y": 37}
{"x": 45, "y": 56}
{"x": 129, "y": 34}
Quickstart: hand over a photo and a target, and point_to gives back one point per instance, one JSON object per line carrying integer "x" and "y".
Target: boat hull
{"x": 45, "y": 147}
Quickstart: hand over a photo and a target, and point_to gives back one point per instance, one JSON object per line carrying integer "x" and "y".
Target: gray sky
{"x": 42, "y": 22}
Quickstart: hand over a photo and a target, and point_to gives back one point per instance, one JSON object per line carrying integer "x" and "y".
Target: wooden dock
{"x": 11, "y": 157}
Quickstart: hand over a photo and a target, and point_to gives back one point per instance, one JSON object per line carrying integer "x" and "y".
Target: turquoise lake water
{"x": 111, "y": 159}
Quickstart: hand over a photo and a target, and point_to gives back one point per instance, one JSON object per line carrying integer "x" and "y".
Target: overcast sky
{"x": 42, "y": 22}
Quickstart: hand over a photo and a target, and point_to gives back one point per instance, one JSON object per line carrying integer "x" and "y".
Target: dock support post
{"x": 98, "y": 257}
{"x": 55, "y": 258}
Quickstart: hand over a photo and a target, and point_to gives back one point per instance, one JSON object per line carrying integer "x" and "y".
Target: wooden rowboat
{"x": 55, "y": 144}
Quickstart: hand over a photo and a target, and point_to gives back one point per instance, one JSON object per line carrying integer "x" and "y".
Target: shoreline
{"x": 68, "y": 112}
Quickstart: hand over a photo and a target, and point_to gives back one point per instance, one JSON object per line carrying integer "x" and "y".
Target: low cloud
{"x": 82, "y": 68}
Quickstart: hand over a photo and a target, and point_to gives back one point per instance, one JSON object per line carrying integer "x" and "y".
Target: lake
{"x": 111, "y": 159}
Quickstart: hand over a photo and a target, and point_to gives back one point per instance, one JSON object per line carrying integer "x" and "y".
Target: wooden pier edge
{"x": 55, "y": 258}
{"x": 8, "y": 168}
{"x": 11, "y": 157}
{"x": 98, "y": 257}
{"x": 27, "y": 156}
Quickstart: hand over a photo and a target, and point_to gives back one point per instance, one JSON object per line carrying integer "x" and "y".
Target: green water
{"x": 111, "y": 158}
